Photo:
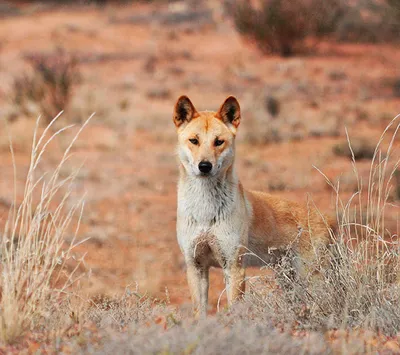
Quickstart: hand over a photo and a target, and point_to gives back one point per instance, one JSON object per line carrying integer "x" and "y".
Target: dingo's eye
{"x": 194, "y": 141}
{"x": 219, "y": 142}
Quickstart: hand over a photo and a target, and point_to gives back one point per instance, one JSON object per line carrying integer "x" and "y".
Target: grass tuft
{"x": 359, "y": 288}
{"x": 34, "y": 255}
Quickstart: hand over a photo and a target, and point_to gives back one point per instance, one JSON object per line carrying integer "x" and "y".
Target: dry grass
{"x": 34, "y": 255}
{"x": 353, "y": 307}
{"x": 149, "y": 328}
{"x": 359, "y": 289}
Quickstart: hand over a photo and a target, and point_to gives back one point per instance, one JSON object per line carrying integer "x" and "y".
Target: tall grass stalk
{"x": 34, "y": 254}
{"x": 360, "y": 287}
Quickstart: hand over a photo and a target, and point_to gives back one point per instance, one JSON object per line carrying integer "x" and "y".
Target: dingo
{"x": 218, "y": 220}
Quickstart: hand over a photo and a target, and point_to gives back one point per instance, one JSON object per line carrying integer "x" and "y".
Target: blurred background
{"x": 303, "y": 71}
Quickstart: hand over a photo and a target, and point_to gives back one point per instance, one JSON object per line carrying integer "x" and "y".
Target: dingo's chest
{"x": 210, "y": 243}
{"x": 211, "y": 221}
{"x": 206, "y": 202}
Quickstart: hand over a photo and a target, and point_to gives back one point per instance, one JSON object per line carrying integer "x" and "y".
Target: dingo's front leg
{"x": 234, "y": 281}
{"x": 198, "y": 284}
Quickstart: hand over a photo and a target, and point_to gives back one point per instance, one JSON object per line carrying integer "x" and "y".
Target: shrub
{"x": 272, "y": 105}
{"x": 396, "y": 88}
{"x": 355, "y": 293}
{"x": 360, "y": 287}
{"x": 50, "y": 87}
{"x": 287, "y": 26}
{"x": 7, "y": 9}
{"x": 371, "y": 21}
{"x": 282, "y": 26}
{"x": 394, "y": 7}
{"x": 34, "y": 256}
{"x": 358, "y": 149}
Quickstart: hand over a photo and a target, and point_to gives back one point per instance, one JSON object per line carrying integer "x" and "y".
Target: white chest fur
{"x": 211, "y": 209}
{"x": 206, "y": 200}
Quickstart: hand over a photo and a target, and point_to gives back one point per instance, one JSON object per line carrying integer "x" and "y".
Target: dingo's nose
{"x": 205, "y": 166}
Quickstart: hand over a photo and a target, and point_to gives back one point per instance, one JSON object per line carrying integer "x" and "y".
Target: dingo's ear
{"x": 184, "y": 111}
{"x": 229, "y": 112}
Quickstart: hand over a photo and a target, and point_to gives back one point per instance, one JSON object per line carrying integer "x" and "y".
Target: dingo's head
{"x": 206, "y": 139}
